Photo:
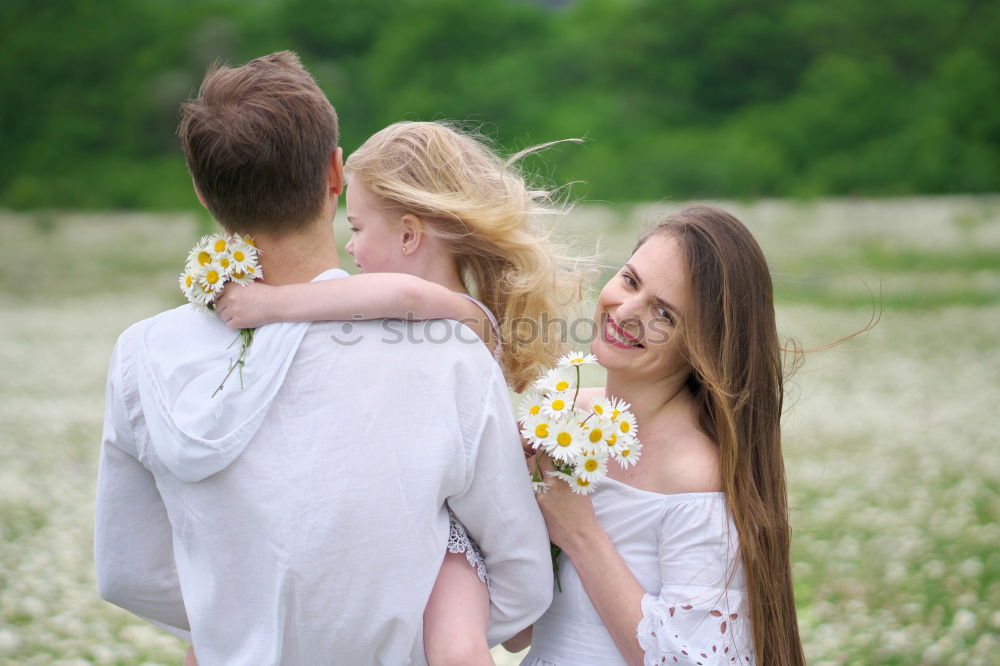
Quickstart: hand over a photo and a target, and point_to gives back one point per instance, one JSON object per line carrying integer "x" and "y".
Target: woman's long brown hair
{"x": 737, "y": 380}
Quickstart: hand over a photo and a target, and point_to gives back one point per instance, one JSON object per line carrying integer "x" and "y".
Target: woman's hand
{"x": 248, "y": 306}
{"x": 570, "y": 518}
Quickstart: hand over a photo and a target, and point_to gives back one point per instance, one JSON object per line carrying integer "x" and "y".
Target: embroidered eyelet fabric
{"x": 460, "y": 542}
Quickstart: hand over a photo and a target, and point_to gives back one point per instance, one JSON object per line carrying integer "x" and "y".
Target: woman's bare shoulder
{"x": 691, "y": 463}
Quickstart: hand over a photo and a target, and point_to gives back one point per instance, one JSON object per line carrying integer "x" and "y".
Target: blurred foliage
{"x": 687, "y": 98}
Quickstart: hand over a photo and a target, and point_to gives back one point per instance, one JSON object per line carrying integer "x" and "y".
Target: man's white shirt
{"x": 311, "y": 531}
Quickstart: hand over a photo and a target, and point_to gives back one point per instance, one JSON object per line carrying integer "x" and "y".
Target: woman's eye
{"x": 663, "y": 312}
{"x": 354, "y": 230}
{"x": 628, "y": 279}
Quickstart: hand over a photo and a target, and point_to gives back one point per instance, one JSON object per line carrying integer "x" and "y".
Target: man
{"x": 299, "y": 518}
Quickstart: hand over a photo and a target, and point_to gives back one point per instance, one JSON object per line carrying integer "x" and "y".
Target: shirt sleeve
{"x": 499, "y": 511}
{"x": 133, "y": 544}
{"x": 699, "y": 616}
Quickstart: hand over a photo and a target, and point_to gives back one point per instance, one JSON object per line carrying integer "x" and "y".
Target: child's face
{"x": 375, "y": 244}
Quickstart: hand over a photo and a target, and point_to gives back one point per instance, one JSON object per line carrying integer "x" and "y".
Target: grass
{"x": 890, "y": 439}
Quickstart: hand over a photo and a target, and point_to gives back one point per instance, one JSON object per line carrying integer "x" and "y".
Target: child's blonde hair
{"x": 485, "y": 211}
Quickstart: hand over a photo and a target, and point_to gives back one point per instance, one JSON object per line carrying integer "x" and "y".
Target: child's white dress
{"x": 458, "y": 540}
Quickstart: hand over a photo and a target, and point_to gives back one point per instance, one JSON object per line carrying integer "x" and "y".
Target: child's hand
{"x": 247, "y": 306}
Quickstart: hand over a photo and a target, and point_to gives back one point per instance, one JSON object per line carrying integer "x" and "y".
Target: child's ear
{"x": 413, "y": 233}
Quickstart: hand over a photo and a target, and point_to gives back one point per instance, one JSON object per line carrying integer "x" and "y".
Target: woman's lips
{"x": 616, "y": 336}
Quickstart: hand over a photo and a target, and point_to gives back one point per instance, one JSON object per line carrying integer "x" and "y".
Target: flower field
{"x": 891, "y": 438}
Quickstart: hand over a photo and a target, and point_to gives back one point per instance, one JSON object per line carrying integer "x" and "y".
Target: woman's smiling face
{"x": 638, "y": 312}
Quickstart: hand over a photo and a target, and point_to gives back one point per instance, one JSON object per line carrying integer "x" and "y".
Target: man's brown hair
{"x": 258, "y": 141}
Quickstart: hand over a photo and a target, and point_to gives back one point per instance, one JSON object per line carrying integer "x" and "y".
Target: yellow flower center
{"x": 250, "y": 270}
{"x": 558, "y": 405}
{"x": 612, "y": 440}
{"x": 542, "y": 430}
{"x": 615, "y": 414}
{"x": 564, "y": 439}
{"x": 189, "y": 280}
{"x": 240, "y": 275}
{"x": 625, "y": 426}
{"x": 598, "y": 410}
{"x": 249, "y": 241}
{"x": 625, "y": 453}
{"x": 224, "y": 262}
{"x": 220, "y": 245}
{"x": 239, "y": 256}
{"x": 583, "y": 483}
{"x": 596, "y": 435}
{"x": 590, "y": 465}
{"x": 211, "y": 277}
{"x": 534, "y": 410}
{"x": 204, "y": 257}
{"x": 562, "y": 386}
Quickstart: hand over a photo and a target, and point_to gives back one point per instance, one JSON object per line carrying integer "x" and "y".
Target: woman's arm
{"x": 364, "y": 296}
{"x": 614, "y": 591}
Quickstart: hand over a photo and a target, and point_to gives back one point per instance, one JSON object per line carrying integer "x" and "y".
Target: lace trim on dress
{"x": 459, "y": 541}
{"x": 692, "y": 633}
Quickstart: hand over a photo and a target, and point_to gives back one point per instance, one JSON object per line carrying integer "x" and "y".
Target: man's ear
{"x": 197, "y": 192}
{"x": 413, "y": 233}
{"x": 336, "y": 175}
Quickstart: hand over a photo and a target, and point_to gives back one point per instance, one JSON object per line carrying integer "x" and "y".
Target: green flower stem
{"x": 246, "y": 335}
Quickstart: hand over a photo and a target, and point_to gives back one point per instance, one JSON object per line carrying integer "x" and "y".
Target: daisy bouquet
{"x": 579, "y": 442}
{"x": 211, "y": 263}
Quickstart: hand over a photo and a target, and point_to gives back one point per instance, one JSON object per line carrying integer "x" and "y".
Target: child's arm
{"x": 518, "y": 641}
{"x": 364, "y": 296}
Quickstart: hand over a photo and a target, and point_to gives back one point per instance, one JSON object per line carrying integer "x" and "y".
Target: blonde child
{"x": 436, "y": 216}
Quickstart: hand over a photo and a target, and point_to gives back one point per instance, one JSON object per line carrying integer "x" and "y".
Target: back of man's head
{"x": 259, "y": 140}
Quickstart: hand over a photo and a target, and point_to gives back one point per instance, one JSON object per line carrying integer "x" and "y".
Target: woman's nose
{"x": 627, "y": 313}
{"x": 349, "y": 248}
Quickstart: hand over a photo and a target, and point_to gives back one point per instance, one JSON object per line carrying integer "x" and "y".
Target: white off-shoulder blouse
{"x": 683, "y": 549}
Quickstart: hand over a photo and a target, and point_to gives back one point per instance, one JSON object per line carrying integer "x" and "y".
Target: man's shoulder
{"x": 176, "y": 319}
{"x": 440, "y": 342}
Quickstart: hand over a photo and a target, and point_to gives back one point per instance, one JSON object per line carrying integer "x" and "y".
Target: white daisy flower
{"x": 557, "y": 380}
{"x": 241, "y": 253}
{"x": 592, "y": 465}
{"x": 247, "y": 275}
{"x": 218, "y": 246}
{"x": 195, "y": 257}
{"x": 599, "y": 430}
{"x": 187, "y": 280}
{"x": 565, "y": 441}
{"x": 613, "y": 444}
{"x": 537, "y": 430}
{"x": 539, "y": 487}
{"x": 625, "y": 425}
{"x": 629, "y": 455}
{"x": 531, "y": 405}
{"x": 576, "y": 483}
{"x": 558, "y": 404}
{"x": 602, "y": 407}
{"x": 618, "y": 407}
{"x": 577, "y": 358}
{"x": 212, "y": 277}
{"x": 199, "y": 296}
{"x": 245, "y": 239}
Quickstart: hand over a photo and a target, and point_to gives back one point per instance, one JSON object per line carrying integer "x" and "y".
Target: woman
{"x": 683, "y": 558}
